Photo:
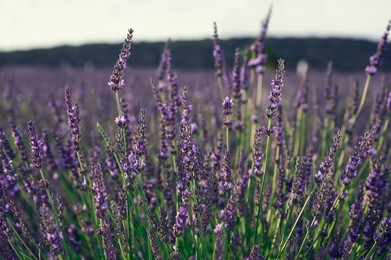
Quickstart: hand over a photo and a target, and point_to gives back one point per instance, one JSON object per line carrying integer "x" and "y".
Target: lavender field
{"x": 244, "y": 162}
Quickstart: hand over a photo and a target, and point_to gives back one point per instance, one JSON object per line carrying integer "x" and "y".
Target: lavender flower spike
{"x": 376, "y": 59}
{"x": 275, "y": 94}
{"x": 116, "y": 81}
{"x": 73, "y": 120}
{"x": 228, "y": 104}
{"x": 258, "y": 48}
{"x": 99, "y": 190}
{"x": 36, "y": 146}
{"x": 217, "y": 52}
{"x": 361, "y": 150}
{"x": 257, "y": 154}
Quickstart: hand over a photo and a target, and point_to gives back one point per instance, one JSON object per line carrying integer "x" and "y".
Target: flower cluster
{"x": 217, "y": 52}
{"x": 228, "y": 104}
{"x": 361, "y": 150}
{"x": 275, "y": 94}
{"x": 258, "y": 48}
{"x": 376, "y": 59}
{"x": 117, "y": 82}
{"x": 73, "y": 120}
{"x": 36, "y": 146}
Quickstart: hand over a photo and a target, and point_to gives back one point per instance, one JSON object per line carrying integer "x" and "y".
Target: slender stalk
{"x": 123, "y": 137}
{"x": 19, "y": 238}
{"x": 259, "y": 90}
{"x": 363, "y": 97}
{"x": 303, "y": 132}
{"x": 370, "y": 252}
{"x": 256, "y": 235}
{"x": 227, "y": 137}
{"x": 121, "y": 249}
{"x": 220, "y": 83}
{"x": 13, "y": 248}
{"x": 297, "y": 132}
{"x": 295, "y": 224}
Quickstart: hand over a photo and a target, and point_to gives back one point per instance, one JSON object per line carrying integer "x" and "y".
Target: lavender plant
{"x": 170, "y": 172}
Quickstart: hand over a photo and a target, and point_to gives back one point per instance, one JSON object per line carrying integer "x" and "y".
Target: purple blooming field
{"x": 243, "y": 162}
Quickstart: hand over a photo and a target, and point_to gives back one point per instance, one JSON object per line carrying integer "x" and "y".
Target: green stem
{"x": 363, "y": 97}
{"x": 227, "y": 137}
{"x": 13, "y": 248}
{"x": 220, "y": 83}
{"x": 20, "y": 239}
{"x": 256, "y": 235}
{"x": 121, "y": 249}
{"x": 259, "y": 90}
{"x": 370, "y": 252}
{"x": 295, "y": 224}
{"x": 118, "y": 104}
{"x": 303, "y": 132}
{"x": 305, "y": 238}
{"x": 297, "y": 132}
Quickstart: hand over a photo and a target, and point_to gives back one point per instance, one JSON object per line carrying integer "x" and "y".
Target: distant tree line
{"x": 346, "y": 54}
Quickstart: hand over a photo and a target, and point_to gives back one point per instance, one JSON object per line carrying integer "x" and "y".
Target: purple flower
{"x": 225, "y": 175}
{"x": 255, "y": 255}
{"x": 275, "y": 94}
{"x": 163, "y": 66}
{"x": 361, "y": 151}
{"x": 218, "y": 228}
{"x": 236, "y": 83}
{"x": 51, "y": 234}
{"x": 18, "y": 140}
{"x": 217, "y": 52}
{"x": 328, "y": 162}
{"x": 228, "y": 213}
{"x": 36, "y": 146}
{"x": 8, "y": 178}
{"x": 182, "y": 217}
{"x": 383, "y": 239}
{"x": 73, "y": 238}
{"x": 375, "y": 199}
{"x": 302, "y": 177}
{"x": 5, "y": 144}
{"x": 47, "y": 151}
{"x": 99, "y": 190}
{"x": 116, "y": 81}
{"x": 335, "y": 250}
{"x": 257, "y": 154}
{"x": 258, "y": 48}
{"x": 326, "y": 194}
{"x": 355, "y": 226}
{"x": 228, "y": 104}
{"x": 175, "y": 99}
{"x": 186, "y": 111}
{"x": 73, "y": 120}
{"x": 121, "y": 121}
{"x": 153, "y": 243}
{"x": 121, "y": 203}
{"x": 111, "y": 164}
{"x": 245, "y": 72}
{"x": 376, "y": 59}
{"x": 106, "y": 230}
{"x": 140, "y": 139}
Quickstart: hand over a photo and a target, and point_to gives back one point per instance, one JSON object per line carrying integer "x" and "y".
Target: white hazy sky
{"x": 26, "y": 24}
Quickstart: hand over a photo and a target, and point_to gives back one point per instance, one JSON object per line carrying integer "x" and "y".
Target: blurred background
{"x": 89, "y": 33}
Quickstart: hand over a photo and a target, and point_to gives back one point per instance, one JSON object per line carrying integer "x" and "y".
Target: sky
{"x": 26, "y": 24}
